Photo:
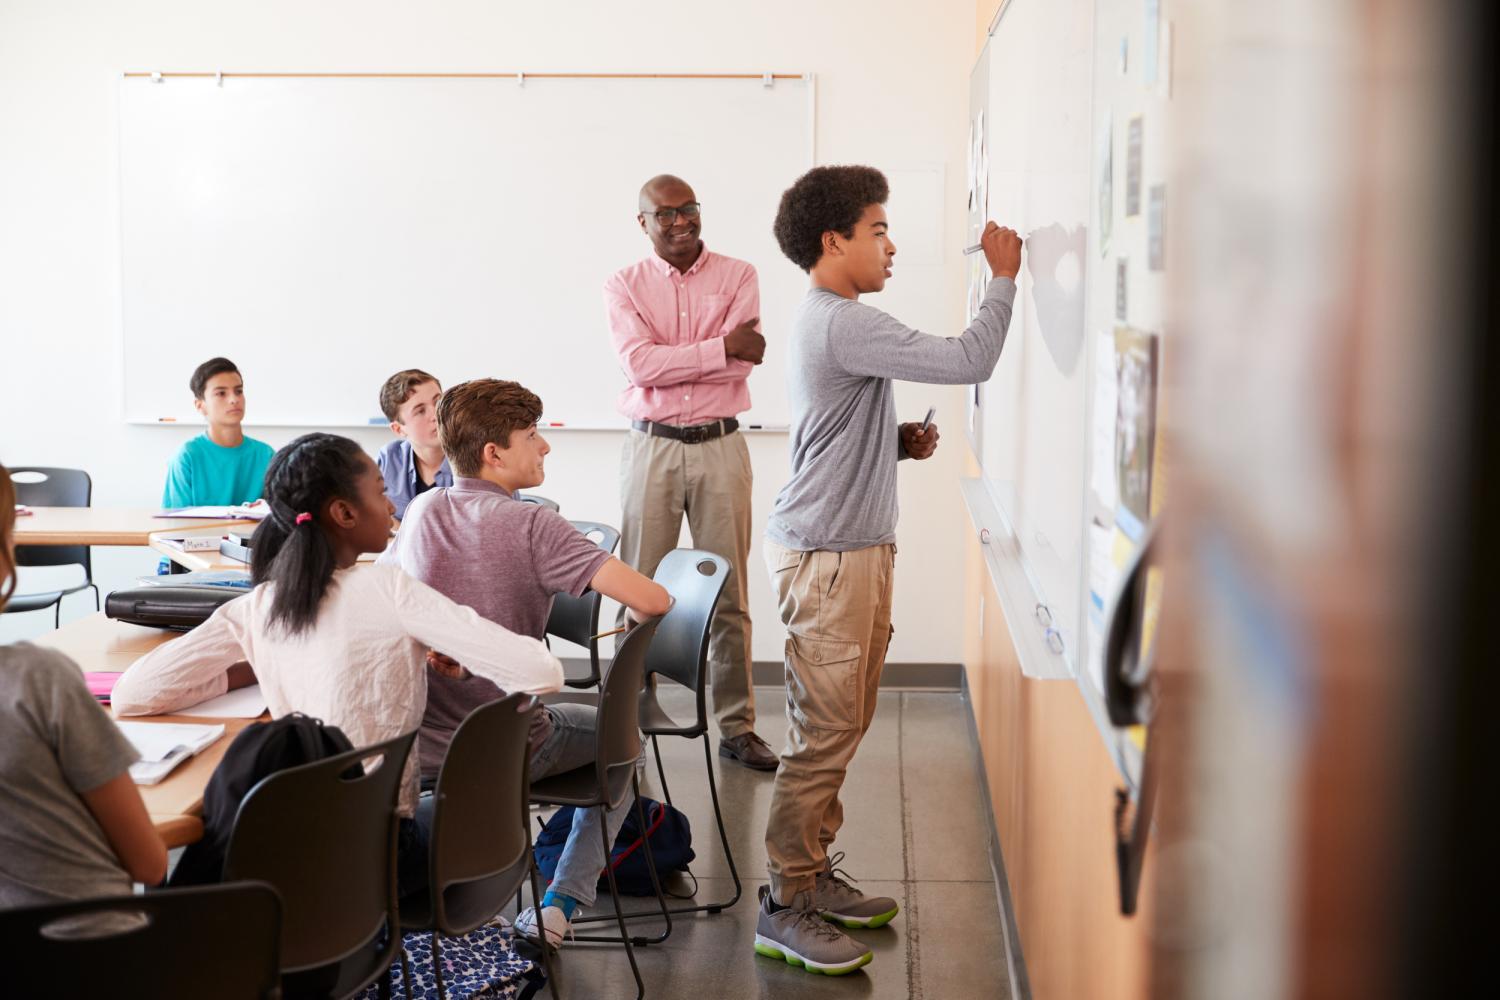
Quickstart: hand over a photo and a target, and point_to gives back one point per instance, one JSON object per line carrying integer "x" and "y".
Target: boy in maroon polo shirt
{"x": 505, "y": 558}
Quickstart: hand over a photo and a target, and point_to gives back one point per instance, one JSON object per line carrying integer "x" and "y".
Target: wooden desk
{"x": 96, "y": 643}
{"x": 103, "y": 525}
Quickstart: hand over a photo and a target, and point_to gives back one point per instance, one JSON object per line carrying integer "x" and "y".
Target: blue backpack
{"x": 671, "y": 846}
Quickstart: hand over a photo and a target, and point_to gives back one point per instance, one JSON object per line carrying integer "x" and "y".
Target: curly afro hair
{"x": 825, "y": 199}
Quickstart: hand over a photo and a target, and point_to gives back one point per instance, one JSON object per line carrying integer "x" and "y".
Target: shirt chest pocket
{"x": 713, "y": 314}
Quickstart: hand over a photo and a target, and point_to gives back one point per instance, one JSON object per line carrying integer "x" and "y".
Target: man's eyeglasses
{"x": 667, "y": 216}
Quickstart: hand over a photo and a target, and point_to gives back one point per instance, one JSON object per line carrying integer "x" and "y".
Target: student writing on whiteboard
{"x": 221, "y": 466}
{"x": 830, "y": 542}
{"x": 683, "y": 322}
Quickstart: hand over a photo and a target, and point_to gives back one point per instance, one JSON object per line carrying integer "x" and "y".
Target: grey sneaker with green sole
{"x": 799, "y": 936}
{"x": 840, "y": 902}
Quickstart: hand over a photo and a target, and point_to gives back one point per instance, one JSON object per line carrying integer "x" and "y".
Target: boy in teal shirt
{"x": 222, "y": 466}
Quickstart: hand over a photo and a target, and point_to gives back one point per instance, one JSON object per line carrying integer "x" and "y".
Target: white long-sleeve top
{"x": 361, "y": 667}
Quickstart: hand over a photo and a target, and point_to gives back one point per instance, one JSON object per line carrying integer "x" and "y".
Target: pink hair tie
{"x": 303, "y": 518}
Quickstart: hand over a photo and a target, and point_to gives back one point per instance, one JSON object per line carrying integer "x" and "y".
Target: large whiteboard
{"x": 1068, "y": 106}
{"x": 326, "y": 232}
{"x": 1032, "y": 120}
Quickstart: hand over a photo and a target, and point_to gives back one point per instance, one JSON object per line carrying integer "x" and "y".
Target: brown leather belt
{"x": 696, "y": 434}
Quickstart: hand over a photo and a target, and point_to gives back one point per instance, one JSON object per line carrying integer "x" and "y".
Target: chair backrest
{"x": 602, "y": 535}
{"x": 479, "y": 841}
{"x": 695, "y": 579}
{"x": 618, "y": 726}
{"x": 207, "y": 941}
{"x": 324, "y": 834}
{"x": 576, "y": 619}
{"x": 541, "y": 501}
{"x": 45, "y": 486}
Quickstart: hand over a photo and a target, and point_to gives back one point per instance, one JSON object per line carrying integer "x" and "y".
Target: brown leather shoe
{"x": 749, "y": 750}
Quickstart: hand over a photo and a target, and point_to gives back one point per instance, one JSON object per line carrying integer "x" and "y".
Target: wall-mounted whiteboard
{"x": 326, "y": 232}
{"x": 1031, "y": 122}
{"x": 1068, "y": 110}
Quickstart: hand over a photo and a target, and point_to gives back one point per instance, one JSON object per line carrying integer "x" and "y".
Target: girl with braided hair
{"x": 345, "y": 644}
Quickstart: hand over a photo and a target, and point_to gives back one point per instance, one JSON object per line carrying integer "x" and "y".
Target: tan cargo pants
{"x": 837, "y": 610}
{"x": 662, "y": 479}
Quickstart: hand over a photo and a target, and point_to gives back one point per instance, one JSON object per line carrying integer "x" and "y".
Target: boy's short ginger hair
{"x": 213, "y": 366}
{"x": 398, "y": 389}
{"x": 472, "y": 414}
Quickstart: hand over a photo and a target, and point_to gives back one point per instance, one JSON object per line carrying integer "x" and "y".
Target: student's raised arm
{"x": 513, "y": 662}
{"x": 185, "y": 671}
{"x": 641, "y": 594}
{"x": 866, "y": 341}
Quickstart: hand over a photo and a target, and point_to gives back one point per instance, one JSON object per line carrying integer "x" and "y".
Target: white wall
{"x": 893, "y": 92}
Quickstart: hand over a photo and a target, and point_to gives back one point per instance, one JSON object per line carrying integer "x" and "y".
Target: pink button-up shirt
{"x": 668, "y": 329}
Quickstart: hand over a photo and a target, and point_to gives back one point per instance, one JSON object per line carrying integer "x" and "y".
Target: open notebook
{"x": 164, "y": 745}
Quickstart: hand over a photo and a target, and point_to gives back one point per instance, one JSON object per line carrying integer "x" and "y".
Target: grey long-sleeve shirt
{"x": 845, "y": 443}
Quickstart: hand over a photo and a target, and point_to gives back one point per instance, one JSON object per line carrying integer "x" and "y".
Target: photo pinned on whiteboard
{"x": 1134, "y": 141}
{"x": 1156, "y": 211}
{"x": 1135, "y": 428}
{"x": 1122, "y": 274}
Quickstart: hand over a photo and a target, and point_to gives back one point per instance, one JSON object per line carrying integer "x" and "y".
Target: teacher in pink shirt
{"x": 683, "y": 323}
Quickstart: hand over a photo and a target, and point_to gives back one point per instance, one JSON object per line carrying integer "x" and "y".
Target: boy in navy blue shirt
{"x": 413, "y": 463}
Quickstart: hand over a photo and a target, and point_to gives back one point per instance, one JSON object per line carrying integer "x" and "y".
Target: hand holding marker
{"x": 1002, "y": 249}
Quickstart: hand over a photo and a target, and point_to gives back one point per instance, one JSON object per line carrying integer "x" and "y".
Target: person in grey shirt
{"x": 830, "y": 543}
{"x": 72, "y": 823}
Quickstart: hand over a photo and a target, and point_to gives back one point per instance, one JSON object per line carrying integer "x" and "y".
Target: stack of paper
{"x": 164, "y": 745}
{"x": 256, "y": 511}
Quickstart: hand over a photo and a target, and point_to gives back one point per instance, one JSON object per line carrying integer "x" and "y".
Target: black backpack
{"x": 259, "y": 750}
{"x": 671, "y": 846}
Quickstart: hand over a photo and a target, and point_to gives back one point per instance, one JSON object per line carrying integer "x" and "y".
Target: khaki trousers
{"x": 837, "y": 610}
{"x": 660, "y": 481}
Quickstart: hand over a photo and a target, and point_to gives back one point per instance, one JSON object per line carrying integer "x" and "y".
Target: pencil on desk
{"x": 613, "y": 631}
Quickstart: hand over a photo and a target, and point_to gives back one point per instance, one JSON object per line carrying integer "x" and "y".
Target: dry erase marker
{"x": 980, "y": 246}
{"x": 931, "y": 412}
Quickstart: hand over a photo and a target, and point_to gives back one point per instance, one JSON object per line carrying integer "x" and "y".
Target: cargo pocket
{"x": 822, "y": 682}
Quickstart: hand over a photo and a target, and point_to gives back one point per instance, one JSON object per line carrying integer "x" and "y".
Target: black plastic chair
{"x": 480, "y": 838}
{"x": 324, "y": 834}
{"x": 57, "y": 488}
{"x": 541, "y": 501}
{"x": 679, "y": 653}
{"x": 206, "y": 941}
{"x": 611, "y": 776}
{"x": 576, "y": 619}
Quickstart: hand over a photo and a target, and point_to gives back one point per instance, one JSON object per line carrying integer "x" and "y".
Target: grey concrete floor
{"x": 914, "y": 830}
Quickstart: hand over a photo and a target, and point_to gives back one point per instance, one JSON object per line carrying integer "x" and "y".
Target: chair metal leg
{"x": 437, "y": 966}
{"x": 536, "y": 900}
{"x": 716, "y": 907}
{"x": 661, "y": 897}
{"x": 614, "y": 893}
{"x": 661, "y": 773}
